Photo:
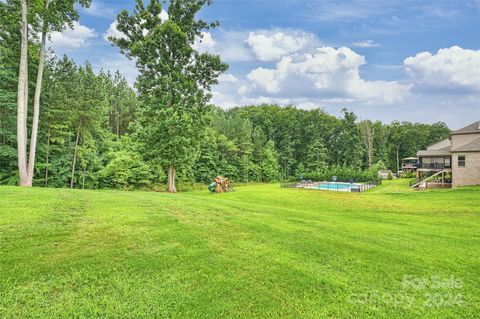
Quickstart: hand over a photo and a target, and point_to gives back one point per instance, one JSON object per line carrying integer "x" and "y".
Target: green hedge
{"x": 344, "y": 174}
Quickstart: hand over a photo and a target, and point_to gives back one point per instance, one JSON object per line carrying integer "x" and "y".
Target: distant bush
{"x": 343, "y": 174}
{"x": 408, "y": 175}
{"x": 126, "y": 171}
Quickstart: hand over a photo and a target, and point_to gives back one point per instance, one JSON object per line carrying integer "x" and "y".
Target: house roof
{"x": 409, "y": 159}
{"x": 442, "y": 145}
{"x": 469, "y": 129}
{"x": 443, "y": 148}
{"x": 473, "y": 146}
{"x": 444, "y": 152}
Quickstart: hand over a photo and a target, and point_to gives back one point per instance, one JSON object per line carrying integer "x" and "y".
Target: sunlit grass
{"x": 262, "y": 251}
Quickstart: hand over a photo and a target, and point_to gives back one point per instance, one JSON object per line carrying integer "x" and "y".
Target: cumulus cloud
{"x": 118, "y": 62}
{"x": 100, "y": 9}
{"x": 113, "y": 32}
{"x": 230, "y": 45}
{"x": 365, "y": 44}
{"x": 326, "y": 73}
{"x": 452, "y": 69}
{"x": 228, "y": 78}
{"x": 224, "y": 100}
{"x": 271, "y": 45}
{"x": 72, "y": 38}
{"x": 206, "y": 43}
{"x": 261, "y": 45}
{"x": 164, "y": 15}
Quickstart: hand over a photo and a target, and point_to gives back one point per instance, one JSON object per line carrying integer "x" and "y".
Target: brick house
{"x": 452, "y": 162}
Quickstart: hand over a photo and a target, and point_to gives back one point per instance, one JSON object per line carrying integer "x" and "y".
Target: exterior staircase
{"x": 418, "y": 183}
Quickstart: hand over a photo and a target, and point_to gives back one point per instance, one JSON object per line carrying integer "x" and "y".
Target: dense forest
{"x": 95, "y": 131}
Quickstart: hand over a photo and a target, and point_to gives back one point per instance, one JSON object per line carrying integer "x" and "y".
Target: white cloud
{"x": 267, "y": 78}
{"x": 228, "y": 78}
{"x": 243, "y": 90}
{"x": 262, "y": 45}
{"x": 452, "y": 69}
{"x": 164, "y": 15}
{"x": 230, "y": 45}
{"x": 118, "y": 62}
{"x": 327, "y": 73}
{"x": 224, "y": 100}
{"x": 75, "y": 38}
{"x": 205, "y": 44}
{"x": 271, "y": 45}
{"x": 365, "y": 44}
{"x": 265, "y": 100}
{"x": 113, "y": 32}
{"x": 100, "y": 9}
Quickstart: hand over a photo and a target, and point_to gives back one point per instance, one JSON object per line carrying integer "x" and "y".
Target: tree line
{"x": 92, "y": 130}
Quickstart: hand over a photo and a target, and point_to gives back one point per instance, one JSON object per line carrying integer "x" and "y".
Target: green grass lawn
{"x": 262, "y": 251}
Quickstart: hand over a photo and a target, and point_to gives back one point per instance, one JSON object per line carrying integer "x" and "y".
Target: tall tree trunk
{"x": 36, "y": 100}
{"x": 171, "y": 179}
{"x": 118, "y": 124}
{"x": 4, "y": 116}
{"x": 368, "y": 133}
{"x": 48, "y": 157}
{"x": 22, "y": 100}
{"x": 398, "y": 158}
{"x": 371, "y": 134}
{"x": 84, "y": 175}
{"x": 74, "y": 162}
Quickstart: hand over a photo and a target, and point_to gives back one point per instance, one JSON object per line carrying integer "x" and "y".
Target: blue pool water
{"x": 335, "y": 186}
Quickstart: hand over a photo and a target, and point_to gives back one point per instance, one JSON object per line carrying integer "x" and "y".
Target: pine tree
{"x": 88, "y": 118}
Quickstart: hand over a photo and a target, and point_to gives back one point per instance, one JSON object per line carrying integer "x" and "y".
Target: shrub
{"x": 343, "y": 174}
{"x": 126, "y": 171}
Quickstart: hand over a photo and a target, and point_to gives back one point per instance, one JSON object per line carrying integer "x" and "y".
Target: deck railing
{"x": 433, "y": 166}
{"x": 414, "y": 181}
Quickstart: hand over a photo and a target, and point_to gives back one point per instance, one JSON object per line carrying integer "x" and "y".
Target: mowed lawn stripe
{"x": 262, "y": 251}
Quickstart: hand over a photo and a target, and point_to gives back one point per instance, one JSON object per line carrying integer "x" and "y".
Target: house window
{"x": 461, "y": 161}
{"x": 447, "y": 162}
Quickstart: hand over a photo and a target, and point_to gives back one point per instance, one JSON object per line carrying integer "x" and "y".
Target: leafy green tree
{"x": 10, "y": 39}
{"x": 8, "y": 154}
{"x": 58, "y": 95}
{"x": 241, "y": 131}
{"x": 227, "y": 154}
{"x": 316, "y": 157}
{"x": 259, "y": 139}
{"x": 347, "y": 144}
{"x": 207, "y": 163}
{"x": 269, "y": 165}
{"x": 122, "y": 103}
{"x": 88, "y": 115}
{"x": 125, "y": 168}
{"x": 174, "y": 78}
{"x": 43, "y": 17}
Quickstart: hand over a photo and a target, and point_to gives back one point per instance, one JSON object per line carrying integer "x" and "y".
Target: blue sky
{"x": 386, "y": 60}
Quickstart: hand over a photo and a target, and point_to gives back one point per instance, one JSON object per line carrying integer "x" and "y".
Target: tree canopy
{"x": 96, "y": 131}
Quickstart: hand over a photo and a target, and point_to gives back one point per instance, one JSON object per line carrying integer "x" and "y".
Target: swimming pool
{"x": 341, "y": 187}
